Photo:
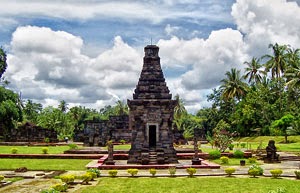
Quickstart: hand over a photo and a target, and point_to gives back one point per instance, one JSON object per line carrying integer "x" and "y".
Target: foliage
{"x": 51, "y": 190}
{"x": 93, "y": 174}
{"x": 96, "y": 171}
{"x": 222, "y": 137}
{"x": 224, "y": 160}
{"x": 61, "y": 187}
{"x": 152, "y": 171}
{"x": 276, "y": 173}
{"x": 86, "y": 178}
{"x": 255, "y": 170}
{"x": 133, "y": 172}
{"x": 216, "y": 154}
{"x": 122, "y": 141}
{"x": 14, "y": 150}
{"x": 67, "y": 178}
{"x": 3, "y": 63}
{"x": 172, "y": 171}
{"x": 231, "y": 146}
{"x": 243, "y": 145}
{"x": 283, "y": 123}
{"x": 112, "y": 173}
{"x": 45, "y": 150}
{"x": 46, "y": 140}
{"x": 191, "y": 171}
{"x": 252, "y": 160}
{"x": 229, "y": 171}
{"x": 73, "y": 146}
{"x": 238, "y": 154}
{"x": 1, "y": 178}
{"x": 297, "y": 173}
{"x": 31, "y": 111}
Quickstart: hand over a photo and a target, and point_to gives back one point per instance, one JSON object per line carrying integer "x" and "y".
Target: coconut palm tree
{"x": 277, "y": 62}
{"x": 63, "y": 106}
{"x": 233, "y": 86}
{"x": 254, "y": 71}
{"x": 293, "y": 72}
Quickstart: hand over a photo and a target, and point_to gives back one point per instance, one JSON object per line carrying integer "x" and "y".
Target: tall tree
{"x": 254, "y": 71}
{"x": 121, "y": 108}
{"x": 63, "y": 106}
{"x": 31, "y": 111}
{"x": 233, "y": 86}
{"x": 3, "y": 64}
{"x": 293, "y": 71}
{"x": 277, "y": 62}
{"x": 179, "y": 113}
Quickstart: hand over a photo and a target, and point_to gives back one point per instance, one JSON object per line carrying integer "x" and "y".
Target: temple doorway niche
{"x": 152, "y": 135}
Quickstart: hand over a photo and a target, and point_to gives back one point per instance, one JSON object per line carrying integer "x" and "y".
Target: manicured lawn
{"x": 188, "y": 185}
{"x": 44, "y": 164}
{"x": 120, "y": 147}
{"x": 34, "y": 149}
{"x": 233, "y": 162}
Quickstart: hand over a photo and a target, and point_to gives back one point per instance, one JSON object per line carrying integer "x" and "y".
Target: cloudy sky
{"x": 90, "y": 52}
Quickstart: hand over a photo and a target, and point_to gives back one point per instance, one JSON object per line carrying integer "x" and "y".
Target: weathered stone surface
{"x": 151, "y": 113}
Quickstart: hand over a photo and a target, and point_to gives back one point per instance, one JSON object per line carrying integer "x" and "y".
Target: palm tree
{"x": 277, "y": 62}
{"x": 121, "y": 108}
{"x": 3, "y": 64}
{"x": 233, "y": 86}
{"x": 293, "y": 72}
{"x": 179, "y": 113}
{"x": 253, "y": 71}
{"x": 63, "y": 106}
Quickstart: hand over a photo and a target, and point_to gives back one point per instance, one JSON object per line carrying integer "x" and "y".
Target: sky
{"x": 90, "y": 52}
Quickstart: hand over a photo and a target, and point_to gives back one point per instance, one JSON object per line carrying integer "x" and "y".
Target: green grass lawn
{"x": 44, "y": 164}
{"x": 188, "y": 185}
{"x": 34, "y": 149}
{"x": 234, "y": 162}
{"x": 120, "y": 147}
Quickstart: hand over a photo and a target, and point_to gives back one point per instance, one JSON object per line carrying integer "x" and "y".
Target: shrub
{"x": 14, "y": 150}
{"x": 67, "y": 178}
{"x": 1, "y": 178}
{"x": 191, "y": 171}
{"x": 224, "y": 160}
{"x": 86, "y": 177}
{"x": 243, "y": 145}
{"x": 72, "y": 146}
{"x": 152, "y": 171}
{"x": 94, "y": 175}
{"x": 276, "y": 173}
{"x": 61, "y": 187}
{"x": 132, "y": 172}
{"x": 216, "y": 154}
{"x": 255, "y": 170}
{"x": 172, "y": 171}
{"x": 122, "y": 141}
{"x": 45, "y": 150}
{"x": 230, "y": 146}
{"x": 229, "y": 171}
{"x": 46, "y": 140}
{"x": 297, "y": 173}
{"x": 238, "y": 154}
{"x": 96, "y": 171}
{"x": 51, "y": 190}
{"x": 252, "y": 160}
{"x": 112, "y": 173}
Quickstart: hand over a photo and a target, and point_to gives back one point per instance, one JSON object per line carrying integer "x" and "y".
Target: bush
{"x": 216, "y": 154}
{"x": 86, "y": 177}
{"x": 96, "y": 171}
{"x": 224, "y": 160}
{"x": 230, "y": 146}
{"x": 122, "y": 141}
{"x": 67, "y": 178}
{"x": 51, "y": 190}
{"x": 252, "y": 160}
{"x": 1, "y": 178}
{"x": 132, "y": 172}
{"x": 297, "y": 173}
{"x": 276, "y": 173}
{"x": 46, "y": 140}
{"x": 72, "y": 146}
{"x": 14, "y": 150}
{"x": 152, "y": 171}
{"x": 172, "y": 171}
{"x": 112, "y": 173}
{"x": 191, "y": 171}
{"x": 94, "y": 175}
{"x": 243, "y": 145}
{"x": 255, "y": 170}
{"x": 61, "y": 187}
{"x": 238, "y": 154}
{"x": 45, "y": 150}
{"x": 229, "y": 171}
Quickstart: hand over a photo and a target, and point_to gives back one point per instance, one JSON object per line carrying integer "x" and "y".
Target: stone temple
{"x": 151, "y": 115}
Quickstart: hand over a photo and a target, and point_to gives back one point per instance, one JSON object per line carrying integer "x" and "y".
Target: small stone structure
{"x": 272, "y": 156}
{"x": 151, "y": 115}
{"x": 31, "y": 133}
{"x": 97, "y": 133}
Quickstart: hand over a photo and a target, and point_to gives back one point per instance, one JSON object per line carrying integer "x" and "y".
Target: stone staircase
{"x": 152, "y": 157}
